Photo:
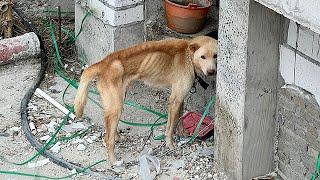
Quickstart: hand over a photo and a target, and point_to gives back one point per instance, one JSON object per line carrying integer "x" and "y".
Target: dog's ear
{"x": 193, "y": 47}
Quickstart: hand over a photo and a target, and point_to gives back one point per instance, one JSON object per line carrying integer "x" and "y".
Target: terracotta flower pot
{"x": 186, "y": 17}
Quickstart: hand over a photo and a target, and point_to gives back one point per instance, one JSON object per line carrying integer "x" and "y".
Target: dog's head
{"x": 204, "y": 51}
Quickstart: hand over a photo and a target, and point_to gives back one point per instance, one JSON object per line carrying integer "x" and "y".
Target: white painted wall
{"x": 121, "y": 3}
{"x": 300, "y": 59}
{"x": 112, "y": 16}
{"x": 305, "y": 12}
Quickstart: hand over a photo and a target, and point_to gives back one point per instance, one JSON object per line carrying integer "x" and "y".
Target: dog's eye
{"x": 215, "y": 56}
{"x": 202, "y": 57}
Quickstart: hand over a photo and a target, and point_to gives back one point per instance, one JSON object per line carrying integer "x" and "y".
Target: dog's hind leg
{"x": 111, "y": 95}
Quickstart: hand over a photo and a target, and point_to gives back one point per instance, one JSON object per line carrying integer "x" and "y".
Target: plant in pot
{"x": 186, "y": 16}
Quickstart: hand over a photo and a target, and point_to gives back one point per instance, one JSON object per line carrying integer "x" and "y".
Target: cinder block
{"x": 307, "y": 76}
{"x": 287, "y": 61}
{"x": 121, "y": 3}
{"x": 112, "y": 16}
{"x": 292, "y": 34}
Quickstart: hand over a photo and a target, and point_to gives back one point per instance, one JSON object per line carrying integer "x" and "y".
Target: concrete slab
{"x": 303, "y": 12}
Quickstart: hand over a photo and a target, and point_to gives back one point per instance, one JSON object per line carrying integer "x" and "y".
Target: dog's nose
{"x": 211, "y": 72}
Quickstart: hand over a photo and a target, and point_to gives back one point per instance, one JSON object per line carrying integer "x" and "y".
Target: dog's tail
{"x": 82, "y": 93}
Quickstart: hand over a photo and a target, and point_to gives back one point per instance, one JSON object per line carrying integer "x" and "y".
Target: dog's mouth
{"x": 211, "y": 72}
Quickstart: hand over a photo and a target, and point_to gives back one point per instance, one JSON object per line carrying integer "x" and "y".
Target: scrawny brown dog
{"x": 172, "y": 63}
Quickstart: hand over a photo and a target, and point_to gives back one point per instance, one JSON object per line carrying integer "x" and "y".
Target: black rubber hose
{"x": 28, "y": 95}
{"x": 30, "y": 92}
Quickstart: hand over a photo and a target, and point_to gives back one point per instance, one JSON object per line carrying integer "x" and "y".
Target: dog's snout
{"x": 211, "y": 72}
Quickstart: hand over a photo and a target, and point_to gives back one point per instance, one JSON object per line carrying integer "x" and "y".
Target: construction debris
{"x": 184, "y": 162}
{"x": 81, "y": 147}
{"x": 19, "y": 47}
{"x": 38, "y": 163}
{"x": 56, "y": 148}
{"x": 6, "y": 18}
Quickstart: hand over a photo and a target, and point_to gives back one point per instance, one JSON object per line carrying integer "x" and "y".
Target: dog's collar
{"x": 202, "y": 83}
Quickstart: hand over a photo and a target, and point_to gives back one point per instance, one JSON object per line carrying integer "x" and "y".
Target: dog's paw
{"x": 171, "y": 145}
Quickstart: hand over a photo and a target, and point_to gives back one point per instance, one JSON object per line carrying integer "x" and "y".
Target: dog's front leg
{"x": 175, "y": 105}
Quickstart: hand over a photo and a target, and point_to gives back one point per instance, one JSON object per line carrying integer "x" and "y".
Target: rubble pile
{"x": 186, "y": 161}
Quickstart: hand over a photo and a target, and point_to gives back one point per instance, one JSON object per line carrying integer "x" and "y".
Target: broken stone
{"x": 15, "y": 129}
{"x": 93, "y": 138}
{"x": 205, "y": 151}
{"x": 45, "y": 138}
{"x": 178, "y": 164}
{"x": 56, "y": 148}
{"x": 50, "y": 126}
{"x": 89, "y": 140}
{"x": 81, "y": 147}
{"x": 42, "y": 127}
{"x": 67, "y": 128}
{"x": 38, "y": 163}
{"x": 77, "y": 140}
{"x": 78, "y": 125}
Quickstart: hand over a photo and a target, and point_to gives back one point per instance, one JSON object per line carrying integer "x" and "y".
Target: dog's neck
{"x": 197, "y": 73}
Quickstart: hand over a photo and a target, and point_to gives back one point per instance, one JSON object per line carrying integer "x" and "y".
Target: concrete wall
{"x": 298, "y": 137}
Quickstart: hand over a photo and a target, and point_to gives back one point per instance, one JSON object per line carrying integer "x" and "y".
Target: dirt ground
{"x": 185, "y": 162}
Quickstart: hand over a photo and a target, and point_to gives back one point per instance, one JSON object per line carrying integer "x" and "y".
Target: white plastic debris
{"x": 73, "y": 171}
{"x": 45, "y": 138}
{"x": 38, "y": 163}
{"x": 56, "y": 148}
{"x": 145, "y": 168}
{"x": 15, "y": 129}
{"x": 32, "y": 126}
{"x": 81, "y": 147}
{"x": 40, "y": 93}
{"x": 50, "y": 126}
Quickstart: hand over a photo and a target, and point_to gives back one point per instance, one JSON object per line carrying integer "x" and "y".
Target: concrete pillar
{"x": 112, "y": 25}
{"x": 249, "y": 37}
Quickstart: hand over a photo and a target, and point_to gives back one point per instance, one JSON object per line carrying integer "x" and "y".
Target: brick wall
{"x": 298, "y": 112}
{"x": 299, "y": 133}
